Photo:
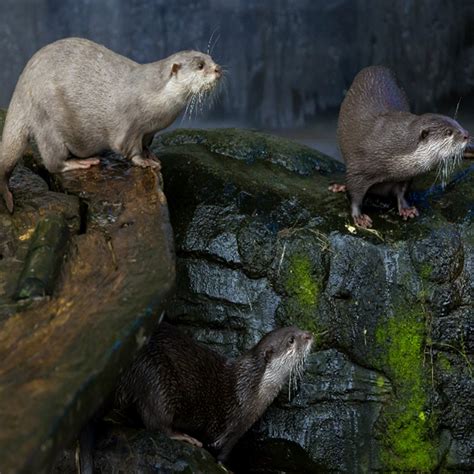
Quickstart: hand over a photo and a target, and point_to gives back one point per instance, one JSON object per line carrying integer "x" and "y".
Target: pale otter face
{"x": 285, "y": 351}
{"x": 196, "y": 72}
{"x": 441, "y": 142}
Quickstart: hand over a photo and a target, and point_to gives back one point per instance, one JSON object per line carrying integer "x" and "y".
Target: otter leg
{"x": 147, "y": 153}
{"x": 52, "y": 149}
{"x": 404, "y": 208}
{"x": 357, "y": 194}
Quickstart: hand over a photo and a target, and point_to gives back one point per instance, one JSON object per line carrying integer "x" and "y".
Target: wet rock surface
{"x": 86, "y": 263}
{"x": 261, "y": 243}
{"x": 130, "y": 450}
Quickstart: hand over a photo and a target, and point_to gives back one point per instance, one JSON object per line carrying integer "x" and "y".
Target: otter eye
{"x": 449, "y": 132}
{"x": 291, "y": 340}
{"x": 201, "y": 65}
{"x": 424, "y": 134}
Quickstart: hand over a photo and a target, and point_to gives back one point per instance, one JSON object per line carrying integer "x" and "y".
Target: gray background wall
{"x": 288, "y": 60}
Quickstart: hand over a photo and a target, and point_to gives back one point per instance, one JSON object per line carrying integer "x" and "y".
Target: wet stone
{"x": 44, "y": 258}
{"x": 384, "y": 305}
{"x": 99, "y": 243}
{"x": 133, "y": 451}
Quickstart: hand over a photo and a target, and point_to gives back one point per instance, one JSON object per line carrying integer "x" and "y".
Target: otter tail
{"x": 6, "y": 193}
{"x": 11, "y": 150}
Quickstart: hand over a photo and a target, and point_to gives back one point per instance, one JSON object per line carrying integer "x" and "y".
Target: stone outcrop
{"x": 86, "y": 264}
{"x": 261, "y": 243}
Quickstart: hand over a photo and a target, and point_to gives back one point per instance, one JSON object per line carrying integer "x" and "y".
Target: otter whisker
{"x": 457, "y": 108}
{"x": 209, "y": 50}
{"x": 215, "y": 42}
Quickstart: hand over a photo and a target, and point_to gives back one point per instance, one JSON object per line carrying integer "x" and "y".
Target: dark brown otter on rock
{"x": 192, "y": 393}
{"x": 384, "y": 146}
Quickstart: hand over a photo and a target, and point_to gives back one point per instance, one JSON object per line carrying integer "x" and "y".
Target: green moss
{"x": 300, "y": 281}
{"x": 408, "y": 444}
{"x": 425, "y": 271}
{"x": 304, "y": 291}
{"x": 444, "y": 363}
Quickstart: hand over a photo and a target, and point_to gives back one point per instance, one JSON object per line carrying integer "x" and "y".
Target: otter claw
{"x": 408, "y": 212}
{"x": 363, "y": 220}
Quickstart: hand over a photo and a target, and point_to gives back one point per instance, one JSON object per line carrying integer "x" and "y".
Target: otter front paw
{"x": 337, "y": 188}
{"x": 147, "y": 162}
{"x": 187, "y": 439}
{"x": 363, "y": 220}
{"x": 408, "y": 212}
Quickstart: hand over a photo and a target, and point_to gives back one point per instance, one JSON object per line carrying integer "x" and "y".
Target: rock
{"x": 139, "y": 451}
{"x": 252, "y": 147}
{"x": 44, "y": 258}
{"x": 61, "y": 354}
{"x": 336, "y": 400}
{"x": 262, "y": 243}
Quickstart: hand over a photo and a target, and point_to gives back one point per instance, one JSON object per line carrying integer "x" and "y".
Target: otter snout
{"x": 306, "y": 339}
{"x": 218, "y": 71}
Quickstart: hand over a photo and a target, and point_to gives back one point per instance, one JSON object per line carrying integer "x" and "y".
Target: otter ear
{"x": 268, "y": 353}
{"x": 424, "y": 133}
{"x": 175, "y": 68}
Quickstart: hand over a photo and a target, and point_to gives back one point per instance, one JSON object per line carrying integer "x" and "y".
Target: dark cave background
{"x": 289, "y": 61}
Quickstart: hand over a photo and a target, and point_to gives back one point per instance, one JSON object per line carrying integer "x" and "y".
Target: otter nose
{"x": 218, "y": 71}
{"x": 465, "y": 136}
{"x": 307, "y": 336}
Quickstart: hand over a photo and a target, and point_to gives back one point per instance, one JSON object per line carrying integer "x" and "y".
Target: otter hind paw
{"x": 408, "y": 212}
{"x": 363, "y": 220}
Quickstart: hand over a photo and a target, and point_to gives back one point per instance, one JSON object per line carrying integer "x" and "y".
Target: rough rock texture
{"x": 261, "y": 243}
{"x": 127, "y": 450}
{"x": 288, "y": 60}
{"x": 100, "y": 243}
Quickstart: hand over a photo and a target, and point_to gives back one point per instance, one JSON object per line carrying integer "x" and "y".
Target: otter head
{"x": 195, "y": 72}
{"x": 440, "y": 141}
{"x": 283, "y": 352}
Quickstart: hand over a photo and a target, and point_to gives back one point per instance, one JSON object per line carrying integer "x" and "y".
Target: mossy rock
{"x": 250, "y": 147}
{"x": 252, "y": 218}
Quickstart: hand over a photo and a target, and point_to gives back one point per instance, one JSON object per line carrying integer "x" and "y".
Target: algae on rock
{"x": 376, "y": 302}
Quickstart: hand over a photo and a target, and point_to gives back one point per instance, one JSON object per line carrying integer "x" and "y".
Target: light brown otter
{"x": 78, "y": 98}
{"x": 384, "y": 146}
{"x": 192, "y": 393}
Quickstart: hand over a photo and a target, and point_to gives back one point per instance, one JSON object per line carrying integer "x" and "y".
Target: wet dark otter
{"x": 193, "y": 393}
{"x": 384, "y": 146}
{"x": 78, "y": 98}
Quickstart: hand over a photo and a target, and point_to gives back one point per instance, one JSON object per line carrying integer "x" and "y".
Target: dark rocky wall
{"x": 288, "y": 60}
{"x": 262, "y": 243}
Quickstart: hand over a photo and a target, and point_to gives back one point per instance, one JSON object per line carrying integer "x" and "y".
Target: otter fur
{"x": 385, "y": 146}
{"x": 192, "y": 393}
{"x": 78, "y": 98}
